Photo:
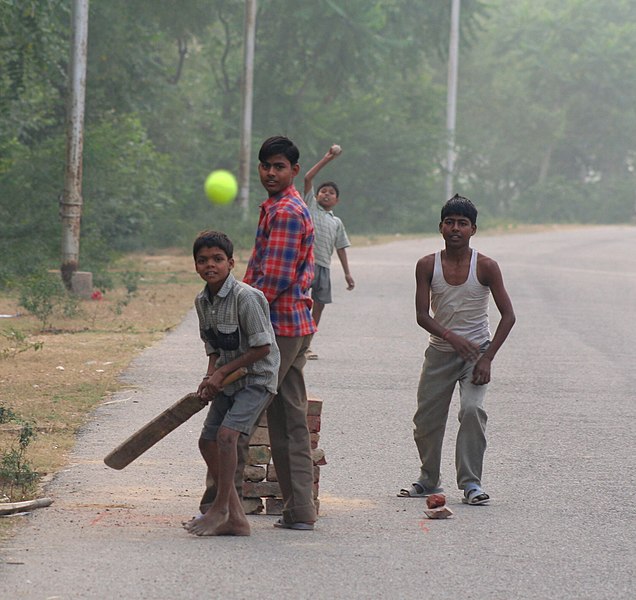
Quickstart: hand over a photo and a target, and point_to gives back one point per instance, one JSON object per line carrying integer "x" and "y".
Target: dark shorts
{"x": 321, "y": 285}
{"x": 239, "y": 412}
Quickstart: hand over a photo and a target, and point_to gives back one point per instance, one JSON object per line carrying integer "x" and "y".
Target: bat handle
{"x": 235, "y": 375}
{"x": 231, "y": 378}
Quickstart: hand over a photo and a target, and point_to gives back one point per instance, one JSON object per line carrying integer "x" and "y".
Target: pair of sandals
{"x": 474, "y": 496}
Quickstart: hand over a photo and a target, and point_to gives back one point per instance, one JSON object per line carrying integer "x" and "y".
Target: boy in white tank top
{"x": 451, "y": 303}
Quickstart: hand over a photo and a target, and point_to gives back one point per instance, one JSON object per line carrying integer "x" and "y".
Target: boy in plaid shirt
{"x": 282, "y": 267}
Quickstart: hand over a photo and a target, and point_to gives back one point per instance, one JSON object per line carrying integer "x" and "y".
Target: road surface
{"x": 560, "y": 464}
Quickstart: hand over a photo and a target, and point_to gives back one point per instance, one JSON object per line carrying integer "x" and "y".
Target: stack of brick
{"x": 261, "y": 492}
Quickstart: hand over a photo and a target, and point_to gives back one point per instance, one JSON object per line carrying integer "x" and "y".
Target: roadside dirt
{"x": 54, "y": 377}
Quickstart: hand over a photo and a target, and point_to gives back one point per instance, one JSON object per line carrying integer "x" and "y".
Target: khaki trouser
{"x": 440, "y": 374}
{"x": 289, "y": 437}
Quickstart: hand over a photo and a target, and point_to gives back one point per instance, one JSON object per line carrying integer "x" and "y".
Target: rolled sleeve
{"x": 254, "y": 315}
{"x": 210, "y": 349}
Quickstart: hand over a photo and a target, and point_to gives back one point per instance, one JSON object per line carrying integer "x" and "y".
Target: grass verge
{"x": 52, "y": 378}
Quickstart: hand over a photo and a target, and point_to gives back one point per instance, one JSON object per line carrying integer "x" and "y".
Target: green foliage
{"x": 6, "y": 415}
{"x": 18, "y": 479}
{"x": 33, "y": 53}
{"x": 19, "y": 343}
{"x": 546, "y": 118}
{"x": 124, "y": 183}
{"x": 547, "y": 125}
{"x": 130, "y": 279}
{"x": 44, "y": 293}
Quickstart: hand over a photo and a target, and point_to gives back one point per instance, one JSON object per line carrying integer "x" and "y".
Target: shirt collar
{"x": 328, "y": 212}
{"x": 225, "y": 288}
{"x": 290, "y": 190}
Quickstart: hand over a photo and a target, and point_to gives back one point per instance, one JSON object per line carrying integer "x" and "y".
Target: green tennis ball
{"x": 221, "y": 187}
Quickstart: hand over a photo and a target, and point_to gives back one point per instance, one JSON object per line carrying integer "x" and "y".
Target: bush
{"x": 42, "y": 294}
{"x": 18, "y": 480}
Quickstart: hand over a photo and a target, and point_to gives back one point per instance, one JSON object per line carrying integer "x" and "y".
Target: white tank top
{"x": 461, "y": 308}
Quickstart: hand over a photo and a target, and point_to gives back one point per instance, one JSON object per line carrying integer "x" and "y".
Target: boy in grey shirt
{"x": 234, "y": 324}
{"x": 330, "y": 234}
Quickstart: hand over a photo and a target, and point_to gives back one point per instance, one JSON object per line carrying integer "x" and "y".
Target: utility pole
{"x": 451, "y": 101}
{"x": 71, "y": 201}
{"x": 246, "y": 115}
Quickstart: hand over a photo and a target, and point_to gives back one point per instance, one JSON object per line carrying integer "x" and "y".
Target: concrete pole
{"x": 451, "y": 102}
{"x": 71, "y": 202}
{"x": 246, "y": 116}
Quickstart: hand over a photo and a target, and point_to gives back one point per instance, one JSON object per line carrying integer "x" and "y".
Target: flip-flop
{"x": 475, "y": 497}
{"x": 298, "y": 526}
{"x": 417, "y": 490}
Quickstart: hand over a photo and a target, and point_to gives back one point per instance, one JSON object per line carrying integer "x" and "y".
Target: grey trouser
{"x": 289, "y": 437}
{"x": 288, "y": 432}
{"x": 440, "y": 374}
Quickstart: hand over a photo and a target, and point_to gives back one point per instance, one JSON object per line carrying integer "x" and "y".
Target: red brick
{"x": 313, "y": 423}
{"x": 259, "y": 455}
{"x": 314, "y": 407}
{"x": 254, "y": 473}
{"x": 318, "y": 456}
{"x": 261, "y": 489}
{"x": 253, "y": 506}
{"x": 260, "y": 437}
{"x": 274, "y": 506}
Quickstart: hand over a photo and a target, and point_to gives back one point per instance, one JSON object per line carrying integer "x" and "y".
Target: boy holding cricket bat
{"x": 235, "y": 325}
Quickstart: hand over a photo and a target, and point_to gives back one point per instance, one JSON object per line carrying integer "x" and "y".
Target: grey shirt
{"x": 330, "y": 231}
{"x": 233, "y": 321}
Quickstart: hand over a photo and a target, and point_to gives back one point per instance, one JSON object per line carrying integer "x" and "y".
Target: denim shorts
{"x": 239, "y": 412}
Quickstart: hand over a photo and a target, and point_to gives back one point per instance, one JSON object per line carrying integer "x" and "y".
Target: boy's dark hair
{"x": 329, "y": 184}
{"x": 213, "y": 239}
{"x": 458, "y": 205}
{"x": 279, "y": 144}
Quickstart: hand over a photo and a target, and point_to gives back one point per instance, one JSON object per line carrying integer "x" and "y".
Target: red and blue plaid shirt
{"x": 282, "y": 262}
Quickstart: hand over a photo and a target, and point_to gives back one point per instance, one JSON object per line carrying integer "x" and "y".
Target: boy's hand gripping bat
{"x": 161, "y": 426}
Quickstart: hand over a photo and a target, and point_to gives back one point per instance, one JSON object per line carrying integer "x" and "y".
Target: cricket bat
{"x": 161, "y": 426}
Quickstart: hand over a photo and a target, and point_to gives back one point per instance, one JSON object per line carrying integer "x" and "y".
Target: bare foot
{"x": 206, "y": 524}
{"x": 234, "y": 527}
{"x": 186, "y": 524}
{"x": 217, "y": 524}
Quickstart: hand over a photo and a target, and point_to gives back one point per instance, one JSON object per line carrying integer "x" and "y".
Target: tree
{"x": 547, "y": 119}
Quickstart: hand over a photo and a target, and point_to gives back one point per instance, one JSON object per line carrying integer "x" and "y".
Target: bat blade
{"x": 161, "y": 426}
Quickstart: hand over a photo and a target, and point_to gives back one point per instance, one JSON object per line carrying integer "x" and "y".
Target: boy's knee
{"x": 227, "y": 437}
{"x": 472, "y": 412}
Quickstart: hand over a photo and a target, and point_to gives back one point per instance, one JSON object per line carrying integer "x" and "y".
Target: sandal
{"x": 475, "y": 497}
{"x": 417, "y": 490}
{"x": 298, "y": 525}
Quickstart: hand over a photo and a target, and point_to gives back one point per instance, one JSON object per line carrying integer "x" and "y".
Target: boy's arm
{"x": 212, "y": 382}
{"x": 342, "y": 255}
{"x": 202, "y": 391}
{"x": 490, "y": 275}
{"x": 423, "y": 277}
{"x": 309, "y": 176}
{"x": 255, "y": 327}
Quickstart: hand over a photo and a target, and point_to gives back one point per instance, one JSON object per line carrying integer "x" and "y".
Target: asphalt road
{"x": 560, "y": 464}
